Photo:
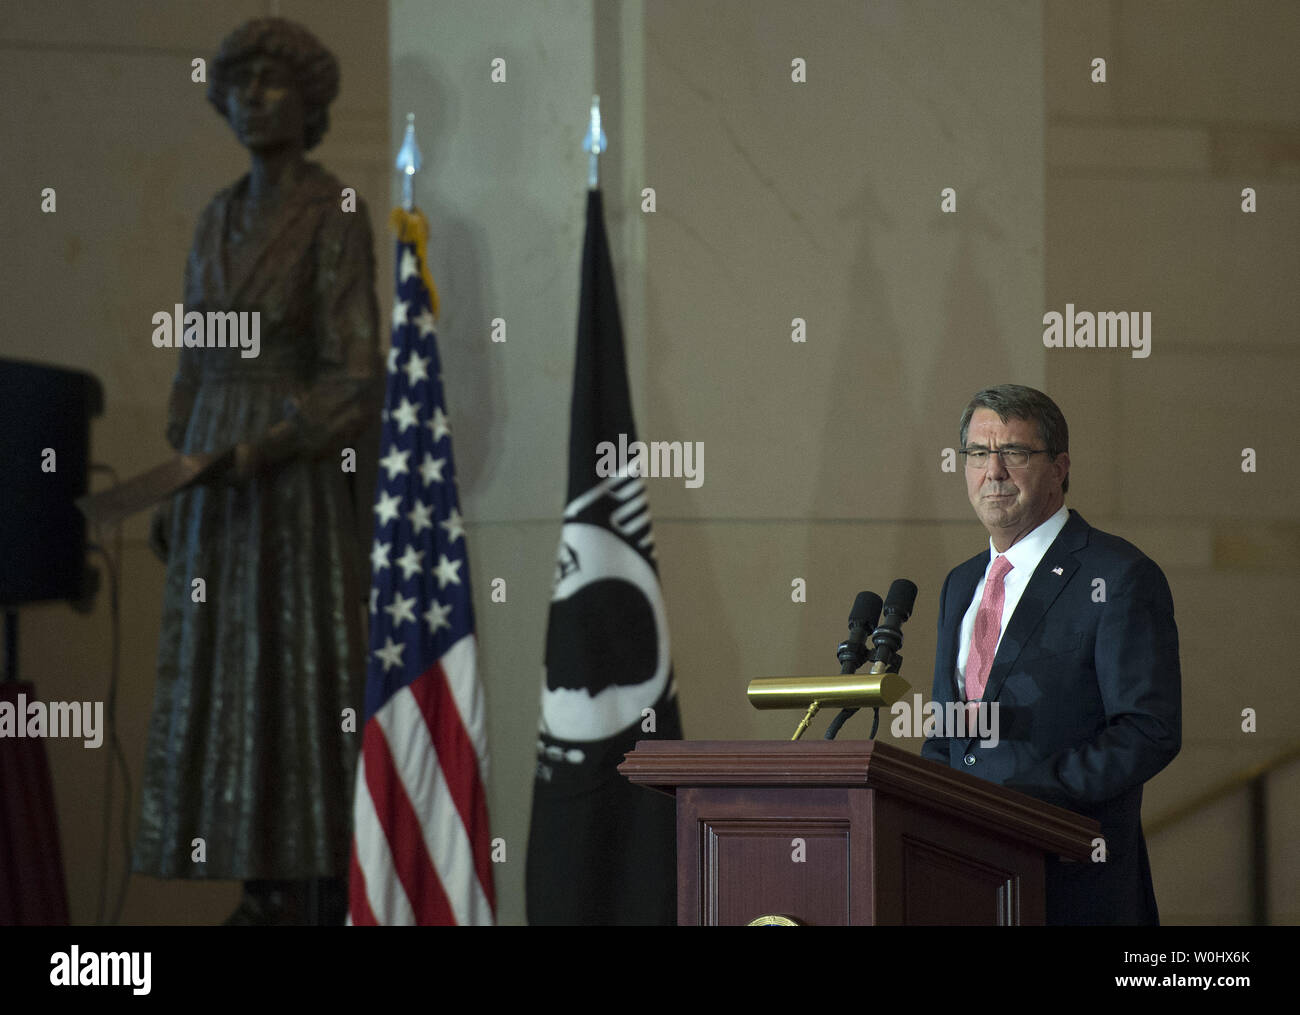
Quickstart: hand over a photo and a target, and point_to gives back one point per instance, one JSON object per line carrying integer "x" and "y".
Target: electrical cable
{"x": 113, "y": 564}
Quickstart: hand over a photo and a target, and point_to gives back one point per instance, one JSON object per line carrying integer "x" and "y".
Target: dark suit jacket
{"x": 1089, "y": 706}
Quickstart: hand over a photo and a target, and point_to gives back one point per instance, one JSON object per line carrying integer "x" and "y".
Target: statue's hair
{"x": 314, "y": 68}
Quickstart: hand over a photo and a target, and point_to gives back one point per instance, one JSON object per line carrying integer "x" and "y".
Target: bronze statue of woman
{"x": 249, "y": 772}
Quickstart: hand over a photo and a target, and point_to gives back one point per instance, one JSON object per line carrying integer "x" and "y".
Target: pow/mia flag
{"x": 601, "y": 850}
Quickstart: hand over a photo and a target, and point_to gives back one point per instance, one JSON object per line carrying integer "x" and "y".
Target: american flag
{"x": 420, "y": 848}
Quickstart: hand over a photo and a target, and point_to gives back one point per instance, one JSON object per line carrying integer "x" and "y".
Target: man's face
{"x": 1012, "y": 502}
{"x": 264, "y": 104}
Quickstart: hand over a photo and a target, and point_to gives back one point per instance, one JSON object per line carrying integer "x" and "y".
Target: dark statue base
{"x": 322, "y": 902}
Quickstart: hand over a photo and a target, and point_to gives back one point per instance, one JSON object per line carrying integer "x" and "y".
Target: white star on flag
{"x": 447, "y": 571}
{"x": 431, "y": 468}
{"x": 401, "y": 609}
{"x": 454, "y": 525}
{"x": 394, "y": 462}
{"x": 416, "y": 369}
{"x": 379, "y": 555}
{"x": 436, "y": 616}
{"x": 405, "y": 415}
{"x": 386, "y": 509}
{"x": 393, "y": 353}
{"x": 410, "y": 267}
{"x": 421, "y": 517}
{"x": 424, "y": 321}
{"x": 437, "y": 424}
{"x": 390, "y": 654}
{"x": 409, "y": 562}
{"x": 400, "y": 310}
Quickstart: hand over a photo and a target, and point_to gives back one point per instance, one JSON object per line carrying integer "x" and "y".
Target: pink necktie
{"x": 988, "y": 627}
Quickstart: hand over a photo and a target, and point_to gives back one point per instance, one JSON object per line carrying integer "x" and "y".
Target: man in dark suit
{"x": 1069, "y": 634}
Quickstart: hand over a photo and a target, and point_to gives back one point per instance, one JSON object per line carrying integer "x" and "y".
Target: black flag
{"x": 601, "y": 850}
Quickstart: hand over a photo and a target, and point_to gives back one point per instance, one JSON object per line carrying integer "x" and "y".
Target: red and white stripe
{"x": 421, "y": 847}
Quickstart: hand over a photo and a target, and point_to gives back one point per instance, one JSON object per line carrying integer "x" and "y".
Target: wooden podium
{"x": 850, "y": 832}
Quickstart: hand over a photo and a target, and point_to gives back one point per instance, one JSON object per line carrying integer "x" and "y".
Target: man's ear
{"x": 1062, "y": 465}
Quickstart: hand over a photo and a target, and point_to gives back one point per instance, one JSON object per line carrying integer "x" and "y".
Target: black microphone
{"x": 888, "y": 637}
{"x": 862, "y": 619}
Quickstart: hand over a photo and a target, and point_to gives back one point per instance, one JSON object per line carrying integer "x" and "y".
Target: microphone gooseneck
{"x": 886, "y": 638}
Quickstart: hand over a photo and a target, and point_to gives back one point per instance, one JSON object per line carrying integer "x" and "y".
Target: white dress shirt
{"x": 1024, "y": 556}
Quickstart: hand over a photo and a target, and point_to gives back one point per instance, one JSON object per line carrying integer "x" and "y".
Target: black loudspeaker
{"x": 44, "y": 448}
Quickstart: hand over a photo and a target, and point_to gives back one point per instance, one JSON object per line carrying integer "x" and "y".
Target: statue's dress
{"x": 247, "y": 749}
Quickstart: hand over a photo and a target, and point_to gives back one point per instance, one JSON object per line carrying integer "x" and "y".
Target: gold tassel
{"x": 411, "y": 227}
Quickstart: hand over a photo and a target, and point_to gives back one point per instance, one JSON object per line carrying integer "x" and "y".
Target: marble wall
{"x": 1145, "y": 175}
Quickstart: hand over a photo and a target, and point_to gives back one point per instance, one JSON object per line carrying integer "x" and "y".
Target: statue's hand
{"x": 244, "y": 464}
{"x": 159, "y": 527}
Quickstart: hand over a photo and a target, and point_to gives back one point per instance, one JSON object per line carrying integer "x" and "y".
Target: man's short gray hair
{"x": 1015, "y": 401}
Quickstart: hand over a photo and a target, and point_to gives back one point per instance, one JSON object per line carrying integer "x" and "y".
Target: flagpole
{"x": 409, "y": 163}
{"x": 406, "y": 221}
{"x": 594, "y": 143}
{"x": 601, "y": 851}
{"x": 423, "y": 758}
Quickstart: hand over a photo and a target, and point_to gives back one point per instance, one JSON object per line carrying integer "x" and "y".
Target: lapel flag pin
{"x": 1057, "y": 570}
